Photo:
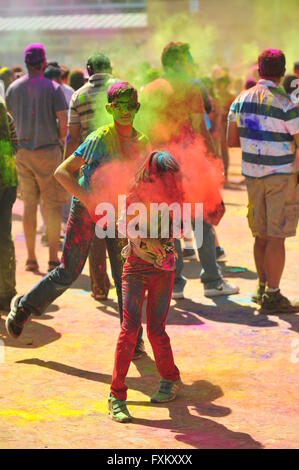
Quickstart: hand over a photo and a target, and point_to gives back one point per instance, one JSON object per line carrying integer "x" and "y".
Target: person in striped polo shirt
{"x": 265, "y": 123}
{"x": 87, "y": 108}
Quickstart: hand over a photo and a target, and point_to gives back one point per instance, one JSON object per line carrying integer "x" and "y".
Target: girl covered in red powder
{"x": 150, "y": 264}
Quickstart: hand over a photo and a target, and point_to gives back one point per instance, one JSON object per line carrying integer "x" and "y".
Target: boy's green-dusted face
{"x": 123, "y": 109}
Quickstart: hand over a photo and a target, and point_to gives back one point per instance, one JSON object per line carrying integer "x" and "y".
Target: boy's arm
{"x": 13, "y": 133}
{"x": 62, "y": 124}
{"x": 73, "y": 128}
{"x": 65, "y": 175}
{"x": 233, "y": 139}
{"x": 72, "y": 139}
{"x": 296, "y": 138}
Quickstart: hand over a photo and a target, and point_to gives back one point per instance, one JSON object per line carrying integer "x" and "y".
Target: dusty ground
{"x": 240, "y": 369}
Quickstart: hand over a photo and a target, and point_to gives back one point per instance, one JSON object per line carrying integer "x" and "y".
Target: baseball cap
{"x": 99, "y": 61}
{"x": 34, "y": 54}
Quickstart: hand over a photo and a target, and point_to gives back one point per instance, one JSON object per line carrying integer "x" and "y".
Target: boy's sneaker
{"x": 177, "y": 295}
{"x": 16, "y": 318}
{"x": 167, "y": 392}
{"x": 189, "y": 253}
{"x": 275, "y": 302}
{"x": 178, "y": 288}
{"x": 118, "y": 410}
{"x": 223, "y": 289}
{"x": 139, "y": 350}
{"x": 220, "y": 253}
{"x": 258, "y": 294}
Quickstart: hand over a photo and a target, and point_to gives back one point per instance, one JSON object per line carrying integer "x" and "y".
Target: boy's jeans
{"x": 79, "y": 234}
{"x": 210, "y": 274}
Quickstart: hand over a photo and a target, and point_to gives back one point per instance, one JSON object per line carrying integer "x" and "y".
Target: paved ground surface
{"x": 239, "y": 368}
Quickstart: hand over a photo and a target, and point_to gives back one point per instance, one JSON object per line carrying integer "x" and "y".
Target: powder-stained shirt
{"x": 86, "y": 99}
{"x": 267, "y": 120}
{"x": 68, "y": 92}
{"x": 33, "y": 102}
{"x": 167, "y": 109}
{"x": 8, "y": 174}
{"x": 104, "y": 145}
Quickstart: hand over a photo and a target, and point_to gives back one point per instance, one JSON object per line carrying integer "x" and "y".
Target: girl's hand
{"x": 154, "y": 246}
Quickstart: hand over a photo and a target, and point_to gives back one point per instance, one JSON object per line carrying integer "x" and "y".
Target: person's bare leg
{"x": 29, "y": 226}
{"x": 53, "y": 218}
{"x": 259, "y": 250}
{"x": 274, "y": 261}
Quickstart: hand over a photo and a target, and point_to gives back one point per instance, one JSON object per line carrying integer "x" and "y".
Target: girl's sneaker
{"x": 118, "y": 410}
{"x": 167, "y": 392}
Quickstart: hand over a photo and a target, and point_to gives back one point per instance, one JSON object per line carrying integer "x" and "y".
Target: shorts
{"x": 273, "y": 205}
{"x": 36, "y": 177}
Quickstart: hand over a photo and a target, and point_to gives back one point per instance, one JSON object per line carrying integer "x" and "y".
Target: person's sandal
{"x": 52, "y": 265}
{"x": 99, "y": 295}
{"x": 31, "y": 265}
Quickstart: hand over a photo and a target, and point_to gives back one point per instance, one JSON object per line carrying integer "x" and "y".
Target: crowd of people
{"x": 53, "y": 142}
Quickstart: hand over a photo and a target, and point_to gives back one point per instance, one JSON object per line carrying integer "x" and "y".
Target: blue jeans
{"x": 79, "y": 235}
{"x": 210, "y": 274}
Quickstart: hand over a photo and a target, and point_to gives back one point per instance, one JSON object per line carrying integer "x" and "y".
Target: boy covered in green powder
{"x": 119, "y": 140}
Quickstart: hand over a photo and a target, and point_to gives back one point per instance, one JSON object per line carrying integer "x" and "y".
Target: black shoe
{"x": 139, "y": 350}
{"x": 16, "y": 318}
{"x": 52, "y": 265}
{"x": 220, "y": 253}
{"x": 189, "y": 253}
{"x": 276, "y": 303}
{"x": 258, "y": 294}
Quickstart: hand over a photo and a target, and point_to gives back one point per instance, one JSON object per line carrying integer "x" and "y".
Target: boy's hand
{"x": 154, "y": 246}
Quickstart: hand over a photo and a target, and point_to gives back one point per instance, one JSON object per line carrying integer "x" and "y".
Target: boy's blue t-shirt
{"x": 104, "y": 145}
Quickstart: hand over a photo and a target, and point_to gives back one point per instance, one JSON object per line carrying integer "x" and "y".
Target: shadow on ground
{"x": 192, "y": 270}
{"x": 35, "y": 335}
{"x": 186, "y": 413}
{"x": 187, "y": 312}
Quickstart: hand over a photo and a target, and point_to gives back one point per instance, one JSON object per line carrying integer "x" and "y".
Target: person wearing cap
{"x": 39, "y": 109}
{"x": 84, "y": 103}
{"x": 265, "y": 123}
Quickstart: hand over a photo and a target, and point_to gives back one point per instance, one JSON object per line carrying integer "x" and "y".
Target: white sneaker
{"x": 178, "y": 295}
{"x": 223, "y": 289}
